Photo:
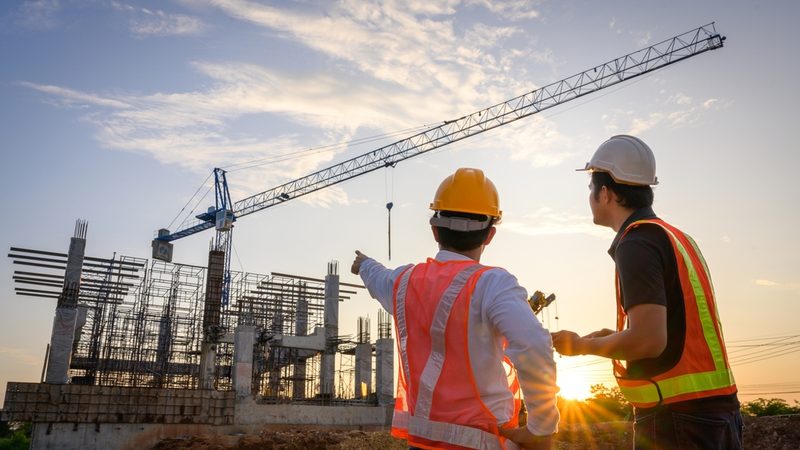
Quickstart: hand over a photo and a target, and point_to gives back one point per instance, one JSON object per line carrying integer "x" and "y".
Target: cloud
{"x": 536, "y": 141}
{"x": 70, "y": 97}
{"x": 509, "y": 9}
{"x": 40, "y": 15}
{"x": 391, "y": 42}
{"x": 674, "y": 111}
{"x": 390, "y": 65}
{"x": 643, "y": 38}
{"x": 146, "y": 22}
{"x": 546, "y": 222}
{"x": 768, "y": 283}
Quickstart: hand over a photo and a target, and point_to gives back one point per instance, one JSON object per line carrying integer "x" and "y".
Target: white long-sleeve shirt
{"x": 498, "y": 310}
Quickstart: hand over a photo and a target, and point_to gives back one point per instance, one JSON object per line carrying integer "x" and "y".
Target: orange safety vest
{"x": 438, "y": 404}
{"x": 703, "y": 369}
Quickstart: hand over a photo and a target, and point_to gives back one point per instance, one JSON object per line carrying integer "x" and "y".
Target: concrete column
{"x": 62, "y": 338}
{"x": 208, "y": 357}
{"x": 331, "y": 331}
{"x": 301, "y": 329}
{"x": 384, "y": 371}
{"x": 243, "y": 342}
{"x": 61, "y": 341}
{"x": 363, "y": 385}
{"x": 211, "y": 314}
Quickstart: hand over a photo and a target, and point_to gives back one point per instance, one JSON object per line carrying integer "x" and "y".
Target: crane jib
{"x": 662, "y": 54}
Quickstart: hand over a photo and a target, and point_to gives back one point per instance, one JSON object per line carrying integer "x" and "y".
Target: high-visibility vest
{"x": 703, "y": 369}
{"x": 438, "y": 404}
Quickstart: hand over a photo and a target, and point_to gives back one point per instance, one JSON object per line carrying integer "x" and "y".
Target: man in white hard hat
{"x": 668, "y": 352}
{"x": 460, "y": 326}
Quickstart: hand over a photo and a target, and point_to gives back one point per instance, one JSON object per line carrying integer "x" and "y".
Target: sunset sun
{"x": 573, "y": 386}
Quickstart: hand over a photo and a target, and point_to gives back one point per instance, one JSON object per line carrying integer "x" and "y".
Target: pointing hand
{"x": 356, "y": 267}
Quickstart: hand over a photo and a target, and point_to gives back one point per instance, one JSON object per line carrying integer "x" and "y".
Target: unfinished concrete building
{"x": 143, "y": 350}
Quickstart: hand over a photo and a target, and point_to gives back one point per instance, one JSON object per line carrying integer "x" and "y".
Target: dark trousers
{"x": 663, "y": 429}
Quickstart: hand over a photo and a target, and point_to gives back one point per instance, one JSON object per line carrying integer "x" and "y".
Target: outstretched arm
{"x": 378, "y": 279}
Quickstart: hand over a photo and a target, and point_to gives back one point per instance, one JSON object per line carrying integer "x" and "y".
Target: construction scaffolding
{"x": 141, "y": 324}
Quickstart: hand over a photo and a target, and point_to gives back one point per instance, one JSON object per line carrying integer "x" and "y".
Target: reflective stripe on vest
{"x": 400, "y": 318}
{"x": 452, "y": 433}
{"x": 419, "y": 425}
{"x": 646, "y": 393}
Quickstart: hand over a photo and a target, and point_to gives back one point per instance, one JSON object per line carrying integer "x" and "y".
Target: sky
{"x": 116, "y": 112}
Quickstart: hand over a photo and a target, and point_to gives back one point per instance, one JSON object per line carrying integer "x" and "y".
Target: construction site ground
{"x": 761, "y": 433}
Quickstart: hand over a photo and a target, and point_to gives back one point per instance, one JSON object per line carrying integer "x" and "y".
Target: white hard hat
{"x": 627, "y": 159}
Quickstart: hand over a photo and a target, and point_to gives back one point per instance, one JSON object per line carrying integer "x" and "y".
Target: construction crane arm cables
{"x": 643, "y": 61}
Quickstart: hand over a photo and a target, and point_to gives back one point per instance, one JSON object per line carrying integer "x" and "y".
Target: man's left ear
{"x": 489, "y": 237}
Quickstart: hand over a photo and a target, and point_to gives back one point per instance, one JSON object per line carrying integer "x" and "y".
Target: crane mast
{"x": 662, "y": 54}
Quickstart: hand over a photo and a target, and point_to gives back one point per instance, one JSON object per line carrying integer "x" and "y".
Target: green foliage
{"x": 610, "y": 399}
{"x": 769, "y": 407}
{"x": 15, "y": 436}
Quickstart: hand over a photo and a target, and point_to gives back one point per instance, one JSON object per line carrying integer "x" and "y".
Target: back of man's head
{"x": 463, "y": 241}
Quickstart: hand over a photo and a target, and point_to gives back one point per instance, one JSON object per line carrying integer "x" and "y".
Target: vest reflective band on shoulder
{"x": 400, "y": 317}
{"x": 645, "y": 393}
{"x": 451, "y": 433}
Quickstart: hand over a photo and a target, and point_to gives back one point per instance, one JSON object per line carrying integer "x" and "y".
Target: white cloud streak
{"x": 548, "y": 222}
{"x": 40, "y": 15}
{"x": 675, "y": 111}
{"x": 146, "y": 22}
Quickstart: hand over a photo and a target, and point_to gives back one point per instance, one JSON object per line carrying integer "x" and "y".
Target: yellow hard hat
{"x": 468, "y": 191}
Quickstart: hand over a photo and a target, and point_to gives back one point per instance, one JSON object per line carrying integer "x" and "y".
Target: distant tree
{"x": 15, "y": 435}
{"x": 769, "y": 407}
{"x": 610, "y": 399}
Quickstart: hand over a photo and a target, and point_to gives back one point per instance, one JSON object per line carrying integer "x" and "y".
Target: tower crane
{"x": 225, "y": 212}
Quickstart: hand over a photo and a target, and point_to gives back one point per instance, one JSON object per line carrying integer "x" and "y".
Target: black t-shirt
{"x": 648, "y": 272}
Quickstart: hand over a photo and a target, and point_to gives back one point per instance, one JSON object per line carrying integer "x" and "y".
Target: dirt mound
{"x": 287, "y": 440}
{"x": 760, "y": 433}
{"x": 772, "y": 433}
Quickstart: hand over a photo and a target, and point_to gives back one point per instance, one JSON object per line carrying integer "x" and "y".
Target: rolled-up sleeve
{"x": 530, "y": 348}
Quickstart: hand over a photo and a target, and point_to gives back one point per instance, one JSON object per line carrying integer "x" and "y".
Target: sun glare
{"x": 573, "y": 387}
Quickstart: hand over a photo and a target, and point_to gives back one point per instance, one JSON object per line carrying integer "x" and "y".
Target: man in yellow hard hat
{"x": 460, "y": 327}
{"x": 676, "y": 372}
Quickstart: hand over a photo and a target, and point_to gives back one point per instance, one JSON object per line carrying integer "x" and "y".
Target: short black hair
{"x": 628, "y": 196}
{"x": 463, "y": 240}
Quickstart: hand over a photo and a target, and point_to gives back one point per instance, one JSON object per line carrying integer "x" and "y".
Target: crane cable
{"x": 389, "y": 192}
{"x": 189, "y": 201}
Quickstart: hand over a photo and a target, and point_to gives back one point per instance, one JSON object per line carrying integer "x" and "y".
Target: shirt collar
{"x": 639, "y": 214}
{"x": 446, "y": 255}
